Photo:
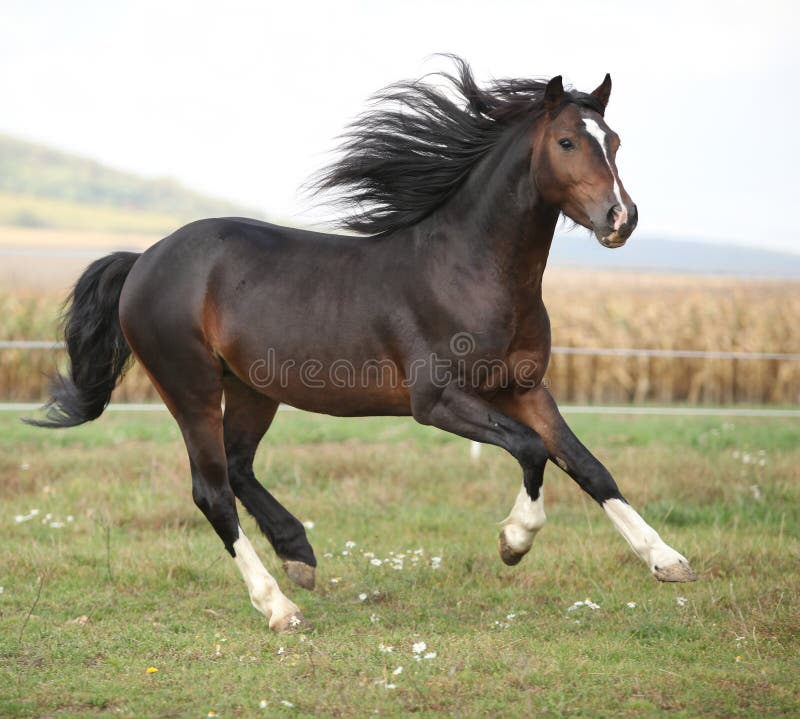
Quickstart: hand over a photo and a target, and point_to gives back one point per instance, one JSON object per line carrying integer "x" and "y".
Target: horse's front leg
{"x": 457, "y": 411}
{"x": 537, "y": 409}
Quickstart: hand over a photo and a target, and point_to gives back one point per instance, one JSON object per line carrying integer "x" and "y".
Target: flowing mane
{"x": 404, "y": 158}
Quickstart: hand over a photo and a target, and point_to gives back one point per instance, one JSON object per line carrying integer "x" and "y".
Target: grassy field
{"x": 118, "y": 574}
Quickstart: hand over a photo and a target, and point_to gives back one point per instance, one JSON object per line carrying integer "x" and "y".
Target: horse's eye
{"x": 566, "y": 144}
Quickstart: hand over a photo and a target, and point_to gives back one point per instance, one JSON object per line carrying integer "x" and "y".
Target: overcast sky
{"x": 244, "y": 99}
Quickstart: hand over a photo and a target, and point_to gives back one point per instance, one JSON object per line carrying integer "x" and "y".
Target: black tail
{"x": 98, "y": 352}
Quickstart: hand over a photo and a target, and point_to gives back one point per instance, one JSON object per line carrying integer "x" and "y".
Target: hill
{"x": 44, "y": 187}
{"x": 682, "y": 256}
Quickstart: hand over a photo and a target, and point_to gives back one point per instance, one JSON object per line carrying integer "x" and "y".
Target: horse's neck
{"x": 529, "y": 247}
{"x": 496, "y": 220}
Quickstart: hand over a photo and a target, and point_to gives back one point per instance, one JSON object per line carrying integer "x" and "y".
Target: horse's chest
{"x": 527, "y": 367}
{"x": 529, "y": 351}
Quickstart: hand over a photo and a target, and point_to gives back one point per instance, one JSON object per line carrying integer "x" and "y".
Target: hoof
{"x": 294, "y": 623}
{"x": 678, "y": 572}
{"x": 507, "y": 554}
{"x": 300, "y": 573}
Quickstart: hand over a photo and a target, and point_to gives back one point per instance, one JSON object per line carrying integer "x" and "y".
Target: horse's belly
{"x": 342, "y": 385}
{"x": 343, "y": 404}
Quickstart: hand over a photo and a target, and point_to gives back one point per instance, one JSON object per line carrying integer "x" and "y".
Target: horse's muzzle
{"x": 616, "y": 233}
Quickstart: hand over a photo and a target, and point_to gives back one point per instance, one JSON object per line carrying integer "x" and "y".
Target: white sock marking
{"x": 597, "y": 133}
{"x": 265, "y": 594}
{"x": 525, "y": 520}
{"x": 641, "y": 536}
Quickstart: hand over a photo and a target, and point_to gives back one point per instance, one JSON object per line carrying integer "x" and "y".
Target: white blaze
{"x": 597, "y": 133}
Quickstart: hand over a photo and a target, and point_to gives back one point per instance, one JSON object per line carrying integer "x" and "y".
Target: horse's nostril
{"x": 612, "y": 214}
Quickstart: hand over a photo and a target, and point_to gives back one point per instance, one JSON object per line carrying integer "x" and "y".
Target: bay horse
{"x": 434, "y": 310}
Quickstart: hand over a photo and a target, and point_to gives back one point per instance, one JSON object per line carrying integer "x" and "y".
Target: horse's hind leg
{"x": 200, "y": 421}
{"x": 189, "y": 380}
{"x": 248, "y": 415}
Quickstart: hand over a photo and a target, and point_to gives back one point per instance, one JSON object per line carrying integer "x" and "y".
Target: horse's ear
{"x": 603, "y": 91}
{"x": 553, "y": 92}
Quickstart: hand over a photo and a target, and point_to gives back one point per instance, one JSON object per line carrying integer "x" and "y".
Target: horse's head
{"x": 573, "y": 163}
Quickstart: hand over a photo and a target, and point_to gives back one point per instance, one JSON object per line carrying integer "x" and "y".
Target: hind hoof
{"x": 678, "y": 572}
{"x": 294, "y": 623}
{"x": 507, "y": 554}
{"x": 300, "y": 573}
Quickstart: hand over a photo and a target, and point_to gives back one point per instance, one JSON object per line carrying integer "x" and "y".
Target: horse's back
{"x": 248, "y": 293}
{"x": 203, "y": 255}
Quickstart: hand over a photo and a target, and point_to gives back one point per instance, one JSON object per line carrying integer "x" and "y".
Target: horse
{"x": 430, "y": 306}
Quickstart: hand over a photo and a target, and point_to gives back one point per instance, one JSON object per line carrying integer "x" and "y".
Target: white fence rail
{"x": 30, "y": 345}
{"x": 682, "y": 354}
{"x": 591, "y": 351}
{"x": 565, "y": 409}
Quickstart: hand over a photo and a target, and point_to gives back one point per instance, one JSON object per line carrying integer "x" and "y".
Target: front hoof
{"x": 294, "y": 623}
{"x": 678, "y": 572}
{"x": 300, "y": 573}
{"x": 507, "y": 554}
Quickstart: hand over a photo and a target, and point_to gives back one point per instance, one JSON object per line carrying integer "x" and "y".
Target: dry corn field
{"x": 587, "y": 309}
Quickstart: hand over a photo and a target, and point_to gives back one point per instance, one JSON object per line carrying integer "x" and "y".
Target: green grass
{"x": 158, "y": 590}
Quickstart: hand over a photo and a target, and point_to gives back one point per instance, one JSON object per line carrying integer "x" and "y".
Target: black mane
{"x": 404, "y": 158}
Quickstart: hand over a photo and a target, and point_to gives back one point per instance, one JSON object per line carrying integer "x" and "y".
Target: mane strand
{"x": 405, "y": 156}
